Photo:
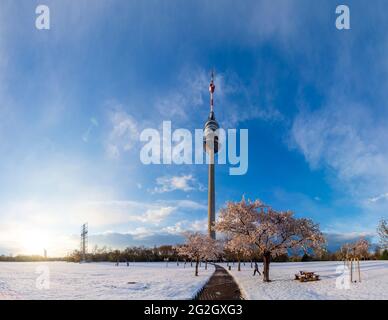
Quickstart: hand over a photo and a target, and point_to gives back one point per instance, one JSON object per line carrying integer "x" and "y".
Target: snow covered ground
{"x": 156, "y": 281}
{"x": 26, "y": 280}
{"x": 374, "y": 281}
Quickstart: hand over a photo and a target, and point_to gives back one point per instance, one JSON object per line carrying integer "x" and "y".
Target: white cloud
{"x": 348, "y": 141}
{"x": 141, "y": 232}
{"x": 104, "y": 213}
{"x": 117, "y": 212}
{"x": 188, "y": 204}
{"x": 185, "y": 225}
{"x": 156, "y": 215}
{"x": 183, "y": 101}
{"x": 189, "y": 101}
{"x": 184, "y": 183}
{"x": 123, "y": 133}
{"x": 383, "y": 196}
{"x": 93, "y": 123}
{"x": 59, "y": 219}
{"x": 148, "y": 235}
{"x": 345, "y": 132}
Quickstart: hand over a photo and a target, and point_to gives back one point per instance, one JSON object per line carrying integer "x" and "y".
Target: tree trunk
{"x": 266, "y": 260}
{"x": 351, "y": 271}
{"x": 239, "y": 265}
{"x": 196, "y": 267}
{"x": 206, "y": 265}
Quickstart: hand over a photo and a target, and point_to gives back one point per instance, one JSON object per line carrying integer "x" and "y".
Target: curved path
{"x": 221, "y": 286}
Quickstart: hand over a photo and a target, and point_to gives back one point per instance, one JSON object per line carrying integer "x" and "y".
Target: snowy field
{"x": 156, "y": 281}
{"x": 26, "y": 280}
{"x": 374, "y": 282}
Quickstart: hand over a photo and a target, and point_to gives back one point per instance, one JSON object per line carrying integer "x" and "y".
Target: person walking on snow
{"x": 256, "y": 269}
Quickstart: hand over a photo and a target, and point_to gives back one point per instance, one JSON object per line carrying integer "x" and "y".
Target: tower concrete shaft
{"x": 211, "y": 213}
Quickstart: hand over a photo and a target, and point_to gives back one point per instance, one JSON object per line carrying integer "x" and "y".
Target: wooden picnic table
{"x": 306, "y": 276}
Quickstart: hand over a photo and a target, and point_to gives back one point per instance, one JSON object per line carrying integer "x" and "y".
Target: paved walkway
{"x": 221, "y": 286}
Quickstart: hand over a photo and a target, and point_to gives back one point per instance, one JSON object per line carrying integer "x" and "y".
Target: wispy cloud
{"x": 121, "y": 211}
{"x": 190, "y": 96}
{"x": 104, "y": 213}
{"x": 123, "y": 133}
{"x": 93, "y": 123}
{"x": 347, "y": 142}
{"x": 139, "y": 237}
{"x": 139, "y": 219}
{"x": 345, "y": 132}
{"x": 148, "y": 236}
{"x": 185, "y": 225}
{"x": 183, "y": 101}
{"x": 341, "y": 129}
{"x": 383, "y": 196}
{"x": 172, "y": 183}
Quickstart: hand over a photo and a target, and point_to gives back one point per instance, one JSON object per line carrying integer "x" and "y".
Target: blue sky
{"x": 73, "y": 100}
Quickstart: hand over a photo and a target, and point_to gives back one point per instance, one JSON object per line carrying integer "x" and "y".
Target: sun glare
{"x": 34, "y": 242}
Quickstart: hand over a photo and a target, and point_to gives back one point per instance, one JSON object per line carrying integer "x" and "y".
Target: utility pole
{"x": 84, "y": 242}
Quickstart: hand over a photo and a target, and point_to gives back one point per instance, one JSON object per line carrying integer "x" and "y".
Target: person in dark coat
{"x": 256, "y": 269}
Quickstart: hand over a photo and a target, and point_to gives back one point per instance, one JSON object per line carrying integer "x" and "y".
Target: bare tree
{"x": 272, "y": 232}
{"x": 382, "y": 231}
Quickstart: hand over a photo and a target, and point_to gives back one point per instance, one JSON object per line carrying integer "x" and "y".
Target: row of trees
{"x": 255, "y": 229}
{"x": 144, "y": 254}
{"x": 256, "y": 232}
{"x": 130, "y": 254}
{"x": 28, "y": 258}
{"x": 253, "y": 232}
{"x": 99, "y": 254}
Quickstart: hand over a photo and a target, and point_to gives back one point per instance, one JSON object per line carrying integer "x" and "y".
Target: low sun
{"x": 34, "y": 242}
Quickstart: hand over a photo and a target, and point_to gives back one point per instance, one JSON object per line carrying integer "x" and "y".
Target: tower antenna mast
{"x": 212, "y": 88}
